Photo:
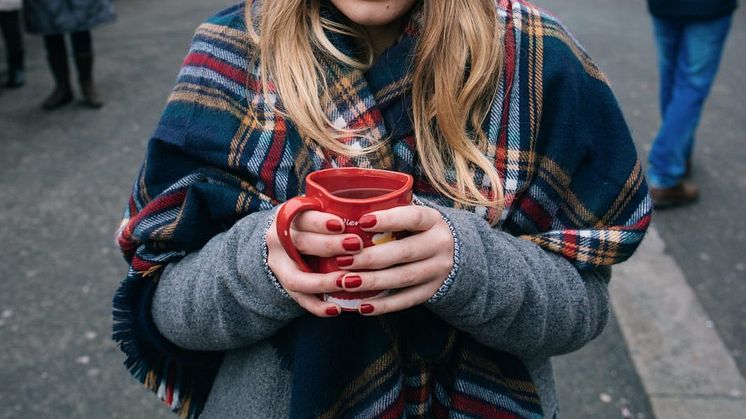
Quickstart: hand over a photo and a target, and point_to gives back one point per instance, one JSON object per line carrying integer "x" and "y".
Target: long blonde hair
{"x": 454, "y": 78}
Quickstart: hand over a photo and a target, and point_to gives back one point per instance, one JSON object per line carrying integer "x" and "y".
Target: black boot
{"x": 16, "y": 75}
{"x": 91, "y": 94}
{"x": 63, "y": 92}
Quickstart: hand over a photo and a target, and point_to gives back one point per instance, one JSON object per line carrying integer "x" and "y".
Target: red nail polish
{"x": 353, "y": 281}
{"x": 345, "y": 260}
{"x": 339, "y": 281}
{"x": 332, "y": 311}
{"x": 366, "y": 308}
{"x": 335, "y": 226}
{"x": 367, "y": 221}
{"x": 351, "y": 244}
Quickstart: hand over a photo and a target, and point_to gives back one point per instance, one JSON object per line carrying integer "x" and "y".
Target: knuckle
{"x": 433, "y": 217}
{"x": 300, "y": 240}
{"x": 301, "y": 220}
{"x": 363, "y": 260}
{"x": 316, "y": 283}
{"x": 371, "y": 281}
{"x": 445, "y": 240}
{"x": 273, "y": 244}
{"x": 378, "y": 263}
{"x": 271, "y": 236}
{"x": 309, "y": 222}
{"x": 319, "y": 224}
{"x": 331, "y": 245}
{"x": 445, "y": 264}
{"x": 275, "y": 263}
{"x": 406, "y": 252}
{"x": 290, "y": 284}
{"x": 419, "y": 218}
{"x": 329, "y": 277}
{"x": 408, "y": 276}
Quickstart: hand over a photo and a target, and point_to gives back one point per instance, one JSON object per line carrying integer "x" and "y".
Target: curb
{"x": 684, "y": 366}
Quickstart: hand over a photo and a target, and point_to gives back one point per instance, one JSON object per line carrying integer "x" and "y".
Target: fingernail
{"x": 339, "y": 281}
{"x": 366, "y": 308}
{"x": 332, "y": 311}
{"x": 351, "y": 244}
{"x": 335, "y": 226}
{"x": 352, "y": 281}
{"x": 367, "y": 221}
{"x": 345, "y": 260}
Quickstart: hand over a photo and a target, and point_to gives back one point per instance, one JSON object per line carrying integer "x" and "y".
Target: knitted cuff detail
{"x": 456, "y": 255}
{"x": 265, "y": 258}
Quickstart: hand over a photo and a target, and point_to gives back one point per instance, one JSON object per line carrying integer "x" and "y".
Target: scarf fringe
{"x": 170, "y": 380}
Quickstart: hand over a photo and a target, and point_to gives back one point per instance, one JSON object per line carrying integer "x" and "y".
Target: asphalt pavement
{"x": 65, "y": 176}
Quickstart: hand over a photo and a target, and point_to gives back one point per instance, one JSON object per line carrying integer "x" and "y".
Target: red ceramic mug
{"x": 348, "y": 193}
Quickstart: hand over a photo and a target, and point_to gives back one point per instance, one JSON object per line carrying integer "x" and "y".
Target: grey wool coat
{"x": 49, "y": 17}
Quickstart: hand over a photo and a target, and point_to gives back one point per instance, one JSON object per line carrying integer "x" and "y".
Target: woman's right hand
{"x": 314, "y": 233}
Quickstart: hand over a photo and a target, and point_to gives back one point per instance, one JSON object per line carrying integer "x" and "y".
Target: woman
{"x": 528, "y": 183}
{"x": 10, "y": 25}
{"x": 53, "y": 19}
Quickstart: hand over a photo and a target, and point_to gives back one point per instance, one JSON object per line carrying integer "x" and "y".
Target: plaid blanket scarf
{"x": 572, "y": 184}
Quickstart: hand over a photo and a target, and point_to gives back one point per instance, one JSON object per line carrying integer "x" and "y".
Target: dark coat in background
{"x": 49, "y": 17}
{"x": 691, "y": 10}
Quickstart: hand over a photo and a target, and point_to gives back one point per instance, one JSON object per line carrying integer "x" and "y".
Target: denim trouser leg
{"x": 688, "y": 56}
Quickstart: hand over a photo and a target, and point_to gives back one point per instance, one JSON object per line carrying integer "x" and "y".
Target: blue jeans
{"x": 688, "y": 59}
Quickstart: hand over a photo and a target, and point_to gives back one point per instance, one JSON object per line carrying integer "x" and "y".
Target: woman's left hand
{"x": 413, "y": 267}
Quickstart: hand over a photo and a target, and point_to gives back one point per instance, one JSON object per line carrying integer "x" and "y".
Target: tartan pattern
{"x": 219, "y": 153}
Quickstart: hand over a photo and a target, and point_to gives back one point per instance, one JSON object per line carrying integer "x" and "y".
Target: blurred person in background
{"x": 55, "y": 18}
{"x": 10, "y": 24}
{"x": 690, "y": 35}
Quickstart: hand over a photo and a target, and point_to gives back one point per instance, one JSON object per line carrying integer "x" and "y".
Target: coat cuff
{"x": 265, "y": 261}
{"x": 446, "y": 286}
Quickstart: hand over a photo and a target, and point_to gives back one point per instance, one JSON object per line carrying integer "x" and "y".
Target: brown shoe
{"x": 91, "y": 95}
{"x": 61, "y": 96}
{"x": 683, "y": 193}
{"x": 63, "y": 92}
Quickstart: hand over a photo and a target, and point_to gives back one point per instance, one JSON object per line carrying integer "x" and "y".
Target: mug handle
{"x": 285, "y": 217}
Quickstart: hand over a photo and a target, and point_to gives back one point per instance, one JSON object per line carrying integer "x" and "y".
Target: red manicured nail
{"x": 345, "y": 260}
{"x": 353, "y": 281}
{"x": 351, "y": 244}
{"x": 366, "y": 308}
{"x": 367, "y": 221}
{"x": 332, "y": 311}
{"x": 339, "y": 281}
{"x": 335, "y": 226}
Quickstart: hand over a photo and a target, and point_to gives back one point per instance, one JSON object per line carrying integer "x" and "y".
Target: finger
{"x": 315, "y": 305}
{"x": 409, "y": 218}
{"x": 294, "y": 280}
{"x": 402, "y": 276}
{"x": 326, "y": 245}
{"x": 406, "y": 250}
{"x": 401, "y": 300}
{"x": 318, "y": 222}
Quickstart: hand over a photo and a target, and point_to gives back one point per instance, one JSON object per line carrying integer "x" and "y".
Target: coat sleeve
{"x": 222, "y": 296}
{"x": 537, "y": 286}
{"x": 512, "y": 295}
